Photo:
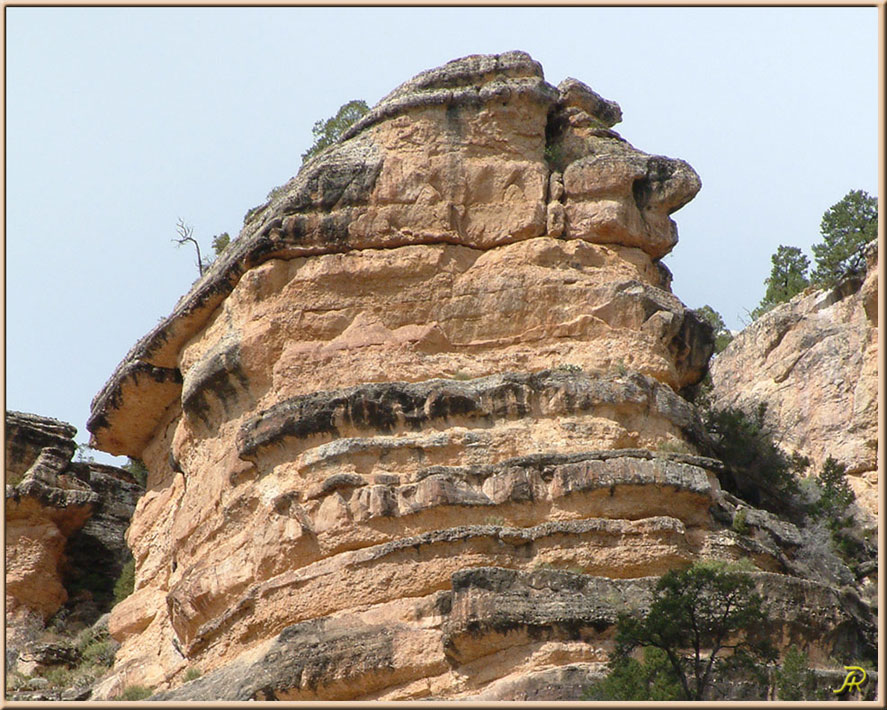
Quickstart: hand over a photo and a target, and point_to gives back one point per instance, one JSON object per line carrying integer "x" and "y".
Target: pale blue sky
{"x": 122, "y": 120}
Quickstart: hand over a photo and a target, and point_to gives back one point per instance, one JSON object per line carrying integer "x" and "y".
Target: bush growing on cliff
{"x": 836, "y": 495}
{"x": 697, "y": 615}
{"x": 795, "y": 680}
{"x": 125, "y": 584}
{"x": 138, "y": 470}
{"x": 328, "y": 132}
{"x": 722, "y": 334}
{"x": 836, "y": 508}
{"x": 630, "y": 679}
{"x": 136, "y": 692}
{"x": 220, "y": 242}
{"x": 758, "y": 469}
{"x": 84, "y": 454}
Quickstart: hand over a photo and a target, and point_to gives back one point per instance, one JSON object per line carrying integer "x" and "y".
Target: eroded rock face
{"x": 446, "y": 344}
{"x": 814, "y": 361}
{"x": 497, "y": 634}
{"x": 460, "y": 155}
{"x": 62, "y": 517}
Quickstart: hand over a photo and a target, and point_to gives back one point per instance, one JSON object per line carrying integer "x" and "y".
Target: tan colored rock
{"x": 60, "y": 517}
{"x": 135, "y": 613}
{"x": 455, "y": 156}
{"x": 45, "y": 505}
{"x": 447, "y": 344}
{"x": 496, "y": 634}
{"x": 814, "y": 362}
{"x": 34, "y": 549}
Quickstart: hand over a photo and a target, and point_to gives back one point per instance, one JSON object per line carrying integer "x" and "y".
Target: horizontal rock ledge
{"x": 403, "y": 406}
{"x": 487, "y": 609}
{"x": 441, "y": 552}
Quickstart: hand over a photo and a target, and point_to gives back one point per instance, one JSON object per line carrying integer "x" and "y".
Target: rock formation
{"x": 441, "y": 363}
{"x": 814, "y": 362}
{"x": 65, "y": 524}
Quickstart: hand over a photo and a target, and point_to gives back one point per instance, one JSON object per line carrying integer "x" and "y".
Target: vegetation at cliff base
{"x": 704, "y": 622}
{"x": 136, "y": 692}
{"x": 630, "y": 679}
{"x": 795, "y": 680}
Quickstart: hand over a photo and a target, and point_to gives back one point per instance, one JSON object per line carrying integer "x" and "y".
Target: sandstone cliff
{"x": 814, "y": 362}
{"x": 65, "y": 524}
{"x": 441, "y": 363}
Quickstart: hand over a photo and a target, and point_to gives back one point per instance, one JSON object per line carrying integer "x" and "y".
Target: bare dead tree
{"x": 186, "y": 235}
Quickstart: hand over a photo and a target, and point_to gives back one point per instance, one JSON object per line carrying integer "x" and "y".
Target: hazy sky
{"x": 122, "y": 120}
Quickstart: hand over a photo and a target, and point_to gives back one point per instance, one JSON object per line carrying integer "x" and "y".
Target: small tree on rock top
{"x": 788, "y": 277}
{"x": 328, "y": 132}
{"x": 847, "y": 226}
{"x": 220, "y": 242}
{"x": 186, "y": 234}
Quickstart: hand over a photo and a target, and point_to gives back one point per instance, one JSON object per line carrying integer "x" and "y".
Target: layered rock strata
{"x": 459, "y": 156}
{"x": 497, "y": 634}
{"x": 65, "y": 520}
{"x": 447, "y": 344}
{"x": 814, "y": 362}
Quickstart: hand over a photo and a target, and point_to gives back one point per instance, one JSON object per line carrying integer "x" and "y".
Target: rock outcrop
{"x": 814, "y": 362}
{"x": 440, "y": 363}
{"x": 65, "y": 520}
{"x": 404, "y": 283}
{"x": 497, "y": 634}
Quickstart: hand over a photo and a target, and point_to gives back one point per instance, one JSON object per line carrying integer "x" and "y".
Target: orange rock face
{"x": 45, "y": 504}
{"x": 446, "y": 344}
{"x": 63, "y": 520}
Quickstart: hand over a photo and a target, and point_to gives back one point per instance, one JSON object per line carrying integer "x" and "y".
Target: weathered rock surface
{"x": 456, "y": 156}
{"x": 496, "y": 634}
{"x": 64, "y": 520}
{"x": 446, "y": 344}
{"x": 814, "y": 362}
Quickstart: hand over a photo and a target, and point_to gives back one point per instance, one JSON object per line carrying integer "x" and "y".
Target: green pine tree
{"x": 703, "y": 621}
{"x": 847, "y": 227}
{"x": 629, "y": 679}
{"x": 220, "y": 242}
{"x": 795, "y": 680}
{"x": 328, "y": 132}
{"x": 788, "y": 277}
